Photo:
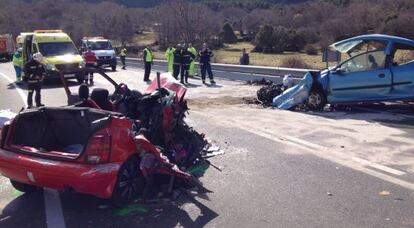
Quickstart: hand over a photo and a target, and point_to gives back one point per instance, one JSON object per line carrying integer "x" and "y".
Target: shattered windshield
{"x": 100, "y": 45}
{"x": 57, "y": 48}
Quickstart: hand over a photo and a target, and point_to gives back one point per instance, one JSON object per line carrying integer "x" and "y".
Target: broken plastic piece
{"x": 385, "y": 193}
{"x": 295, "y": 95}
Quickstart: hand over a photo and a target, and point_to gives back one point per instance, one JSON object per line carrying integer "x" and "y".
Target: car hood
{"x": 99, "y": 53}
{"x": 63, "y": 59}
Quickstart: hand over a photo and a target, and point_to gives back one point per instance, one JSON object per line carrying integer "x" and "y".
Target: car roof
{"x": 383, "y": 37}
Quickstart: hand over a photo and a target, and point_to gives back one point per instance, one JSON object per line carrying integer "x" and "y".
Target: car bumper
{"x": 52, "y": 74}
{"x": 97, "y": 180}
{"x": 110, "y": 62}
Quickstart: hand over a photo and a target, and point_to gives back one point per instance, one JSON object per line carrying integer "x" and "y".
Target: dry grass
{"x": 145, "y": 38}
{"x": 230, "y": 54}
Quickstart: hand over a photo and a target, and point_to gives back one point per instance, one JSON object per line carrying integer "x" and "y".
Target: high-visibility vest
{"x": 169, "y": 53}
{"x": 17, "y": 59}
{"x": 192, "y": 50}
{"x": 148, "y": 57}
{"x": 123, "y": 52}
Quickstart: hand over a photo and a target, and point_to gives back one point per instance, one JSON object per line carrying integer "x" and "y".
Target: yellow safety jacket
{"x": 123, "y": 52}
{"x": 192, "y": 50}
{"x": 148, "y": 55}
{"x": 18, "y": 59}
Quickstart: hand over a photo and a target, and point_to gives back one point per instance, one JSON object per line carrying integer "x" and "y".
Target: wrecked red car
{"x": 112, "y": 154}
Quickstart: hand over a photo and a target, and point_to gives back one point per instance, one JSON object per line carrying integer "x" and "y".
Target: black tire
{"x": 27, "y": 188}
{"x": 113, "y": 68}
{"x": 130, "y": 183}
{"x": 316, "y": 100}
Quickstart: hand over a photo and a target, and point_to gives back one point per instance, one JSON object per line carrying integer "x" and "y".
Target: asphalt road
{"x": 280, "y": 169}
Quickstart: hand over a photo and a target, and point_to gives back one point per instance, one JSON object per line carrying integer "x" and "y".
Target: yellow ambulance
{"x": 59, "y": 52}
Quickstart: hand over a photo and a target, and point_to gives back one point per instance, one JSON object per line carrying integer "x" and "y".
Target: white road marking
{"x": 19, "y": 91}
{"x": 53, "y": 207}
{"x": 379, "y": 167}
{"x": 323, "y": 152}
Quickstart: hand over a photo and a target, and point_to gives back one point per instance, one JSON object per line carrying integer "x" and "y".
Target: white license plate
{"x": 69, "y": 75}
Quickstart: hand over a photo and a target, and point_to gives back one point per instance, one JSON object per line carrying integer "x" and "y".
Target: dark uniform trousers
{"x": 206, "y": 67}
{"x": 147, "y": 71}
{"x": 34, "y": 86}
{"x": 184, "y": 72}
{"x": 176, "y": 70}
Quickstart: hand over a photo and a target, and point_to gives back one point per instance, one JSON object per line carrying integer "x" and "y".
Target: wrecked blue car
{"x": 379, "y": 68}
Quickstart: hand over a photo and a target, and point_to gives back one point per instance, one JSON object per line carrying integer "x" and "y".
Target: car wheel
{"x": 113, "y": 68}
{"x": 130, "y": 183}
{"x": 316, "y": 100}
{"x": 27, "y": 188}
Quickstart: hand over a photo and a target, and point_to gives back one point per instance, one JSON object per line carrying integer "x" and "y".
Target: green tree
{"x": 264, "y": 38}
{"x": 228, "y": 33}
{"x": 280, "y": 38}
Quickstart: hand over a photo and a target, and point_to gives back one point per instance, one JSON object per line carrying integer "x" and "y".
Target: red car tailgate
{"x": 91, "y": 179}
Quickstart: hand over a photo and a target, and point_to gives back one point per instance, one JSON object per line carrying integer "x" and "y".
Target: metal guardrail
{"x": 259, "y": 71}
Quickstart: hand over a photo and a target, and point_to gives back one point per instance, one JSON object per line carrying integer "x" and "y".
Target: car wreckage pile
{"x": 144, "y": 150}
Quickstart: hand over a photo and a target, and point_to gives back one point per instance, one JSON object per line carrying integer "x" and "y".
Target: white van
{"x": 105, "y": 53}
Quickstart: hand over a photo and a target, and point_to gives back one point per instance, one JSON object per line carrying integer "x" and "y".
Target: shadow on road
{"x": 395, "y": 114}
{"x": 52, "y": 84}
{"x": 82, "y": 211}
{"x": 26, "y": 210}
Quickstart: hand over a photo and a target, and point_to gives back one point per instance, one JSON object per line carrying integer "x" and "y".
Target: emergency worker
{"x": 122, "y": 55}
{"x": 18, "y": 64}
{"x": 148, "y": 61}
{"x": 186, "y": 59}
{"x": 205, "y": 55}
{"x": 177, "y": 59}
{"x": 90, "y": 61}
{"x": 34, "y": 74}
{"x": 192, "y": 70}
{"x": 169, "y": 54}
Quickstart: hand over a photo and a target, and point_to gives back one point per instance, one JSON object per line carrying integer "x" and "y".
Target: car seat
{"x": 83, "y": 94}
{"x": 101, "y": 98}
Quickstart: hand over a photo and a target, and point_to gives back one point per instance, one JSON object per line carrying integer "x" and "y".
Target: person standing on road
{"x": 205, "y": 56}
{"x": 186, "y": 59}
{"x": 148, "y": 61}
{"x": 90, "y": 62}
{"x": 193, "y": 51}
{"x": 34, "y": 75}
{"x": 177, "y": 59}
{"x": 244, "y": 58}
{"x": 169, "y": 54}
{"x": 17, "y": 63}
{"x": 122, "y": 55}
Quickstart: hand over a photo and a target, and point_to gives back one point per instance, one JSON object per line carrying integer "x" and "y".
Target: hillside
{"x": 212, "y": 3}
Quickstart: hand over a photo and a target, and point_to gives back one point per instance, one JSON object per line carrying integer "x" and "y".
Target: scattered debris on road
{"x": 385, "y": 193}
{"x": 329, "y": 194}
{"x": 268, "y": 92}
{"x": 262, "y": 81}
